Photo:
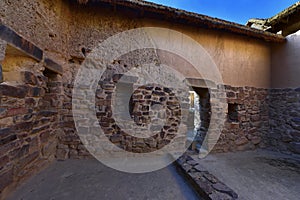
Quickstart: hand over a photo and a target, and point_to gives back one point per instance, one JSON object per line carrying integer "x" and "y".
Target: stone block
{"x": 204, "y": 186}
{"x": 36, "y": 92}
{"x": 116, "y": 138}
{"x": 29, "y": 78}
{"x": 3, "y": 162}
{"x": 4, "y": 132}
{"x": 33, "y": 145}
{"x": 20, "y": 152}
{"x": 287, "y": 138}
{"x": 24, "y": 126}
{"x": 12, "y": 91}
{"x": 73, "y": 153}
{"x": 224, "y": 189}
{"x": 234, "y": 125}
{"x": 53, "y": 66}
{"x": 25, "y": 161}
{"x": 295, "y": 147}
{"x": 6, "y": 178}
{"x": 186, "y": 167}
{"x": 245, "y": 147}
{"x": 200, "y": 168}
{"x": 8, "y": 139}
{"x": 30, "y": 102}
{"x": 210, "y": 178}
{"x": 44, "y": 136}
{"x": 62, "y": 154}
{"x": 241, "y": 141}
{"x": 255, "y": 140}
{"x": 16, "y": 111}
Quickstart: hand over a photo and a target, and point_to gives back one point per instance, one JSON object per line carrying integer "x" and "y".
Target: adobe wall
{"x": 285, "y": 63}
{"x": 242, "y": 61}
{"x": 40, "y": 21}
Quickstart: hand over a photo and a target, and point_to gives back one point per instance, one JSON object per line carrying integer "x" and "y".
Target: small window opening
{"x": 233, "y": 112}
{"x": 49, "y": 74}
{"x": 124, "y": 104}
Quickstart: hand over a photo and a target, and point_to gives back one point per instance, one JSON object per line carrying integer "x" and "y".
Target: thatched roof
{"x": 287, "y": 21}
{"x": 152, "y": 10}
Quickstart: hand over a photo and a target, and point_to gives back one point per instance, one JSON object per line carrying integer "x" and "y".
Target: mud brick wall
{"x": 28, "y": 126}
{"x": 42, "y": 22}
{"x": 284, "y": 112}
{"x": 247, "y": 122}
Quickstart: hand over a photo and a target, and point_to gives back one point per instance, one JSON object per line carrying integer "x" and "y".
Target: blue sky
{"x": 238, "y": 11}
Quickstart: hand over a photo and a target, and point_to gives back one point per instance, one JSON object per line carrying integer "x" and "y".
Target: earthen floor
{"x": 257, "y": 175}
{"x": 89, "y": 179}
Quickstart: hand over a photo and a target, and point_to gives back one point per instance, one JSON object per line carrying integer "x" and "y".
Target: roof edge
{"x": 285, "y": 13}
{"x": 166, "y": 13}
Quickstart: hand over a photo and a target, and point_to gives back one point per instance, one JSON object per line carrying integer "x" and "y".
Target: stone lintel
{"x": 123, "y": 78}
{"x": 53, "y": 66}
{"x": 201, "y": 83}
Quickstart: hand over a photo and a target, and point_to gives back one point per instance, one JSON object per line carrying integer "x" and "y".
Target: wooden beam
{"x": 18, "y": 42}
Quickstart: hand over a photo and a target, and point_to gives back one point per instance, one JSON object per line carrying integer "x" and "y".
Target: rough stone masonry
{"x": 43, "y": 44}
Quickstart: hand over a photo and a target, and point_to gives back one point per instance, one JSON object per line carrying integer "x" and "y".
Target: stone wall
{"x": 69, "y": 145}
{"x": 247, "y": 132}
{"x": 146, "y": 104}
{"x": 29, "y": 124}
{"x": 247, "y": 129}
{"x": 30, "y": 99}
{"x": 284, "y": 132}
{"x": 153, "y": 109}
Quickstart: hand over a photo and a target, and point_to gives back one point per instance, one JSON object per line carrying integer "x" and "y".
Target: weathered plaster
{"x": 242, "y": 61}
{"x": 286, "y": 63}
